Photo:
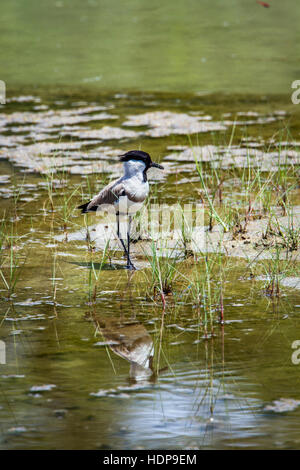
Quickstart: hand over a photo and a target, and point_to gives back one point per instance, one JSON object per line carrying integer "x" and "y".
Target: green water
{"x": 73, "y": 377}
{"x": 187, "y": 46}
{"x": 209, "y": 393}
{"x": 201, "y": 391}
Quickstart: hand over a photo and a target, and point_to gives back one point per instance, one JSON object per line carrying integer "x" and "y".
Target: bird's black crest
{"x": 137, "y": 155}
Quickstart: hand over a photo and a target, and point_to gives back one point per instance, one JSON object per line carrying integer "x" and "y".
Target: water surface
{"x": 185, "y": 46}
{"x": 113, "y": 370}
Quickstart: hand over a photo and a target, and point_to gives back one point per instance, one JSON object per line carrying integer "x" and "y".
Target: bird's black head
{"x": 141, "y": 156}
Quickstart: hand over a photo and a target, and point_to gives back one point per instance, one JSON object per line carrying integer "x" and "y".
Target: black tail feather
{"x": 83, "y": 208}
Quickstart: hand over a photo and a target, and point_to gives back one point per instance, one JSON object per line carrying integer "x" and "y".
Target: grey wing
{"x": 109, "y": 195}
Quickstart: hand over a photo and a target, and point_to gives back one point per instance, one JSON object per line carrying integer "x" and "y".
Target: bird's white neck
{"x": 134, "y": 168}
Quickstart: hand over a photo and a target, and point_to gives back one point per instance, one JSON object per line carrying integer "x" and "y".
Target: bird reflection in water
{"x": 131, "y": 341}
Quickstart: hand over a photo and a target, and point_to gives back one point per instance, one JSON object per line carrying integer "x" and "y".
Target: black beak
{"x": 156, "y": 165}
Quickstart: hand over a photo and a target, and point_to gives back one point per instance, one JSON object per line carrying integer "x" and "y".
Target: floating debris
{"x": 29, "y": 303}
{"x": 106, "y": 343}
{"x": 42, "y": 388}
{"x": 104, "y": 133}
{"x": 248, "y": 113}
{"x": 283, "y": 405}
{"x": 11, "y": 141}
{"x": 238, "y": 157}
{"x": 290, "y": 281}
{"x": 177, "y": 147}
{"x": 25, "y": 318}
{"x": 164, "y": 123}
{"x": 17, "y": 430}
{"x": 51, "y": 118}
{"x": 52, "y": 157}
{"x": 111, "y": 393}
{"x": 4, "y": 179}
{"x": 205, "y": 154}
{"x": 23, "y": 99}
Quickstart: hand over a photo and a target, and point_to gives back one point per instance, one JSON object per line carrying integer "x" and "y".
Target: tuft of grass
{"x": 274, "y": 270}
{"x": 94, "y": 275}
{"x": 289, "y": 235}
{"x": 205, "y": 288}
{"x": 163, "y": 271}
{"x": 11, "y": 261}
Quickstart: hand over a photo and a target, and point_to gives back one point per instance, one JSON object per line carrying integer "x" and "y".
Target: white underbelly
{"x": 136, "y": 193}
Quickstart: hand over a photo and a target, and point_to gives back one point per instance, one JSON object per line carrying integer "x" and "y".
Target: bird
{"x": 133, "y": 186}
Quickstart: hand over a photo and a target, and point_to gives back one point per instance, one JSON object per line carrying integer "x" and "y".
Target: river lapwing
{"x": 133, "y": 186}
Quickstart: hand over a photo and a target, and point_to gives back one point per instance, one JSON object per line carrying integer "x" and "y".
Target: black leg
{"x": 130, "y": 265}
{"x": 126, "y": 250}
{"x": 118, "y": 233}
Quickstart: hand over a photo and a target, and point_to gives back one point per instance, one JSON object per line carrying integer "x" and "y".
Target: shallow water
{"x": 210, "y": 394}
{"x": 79, "y": 373}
